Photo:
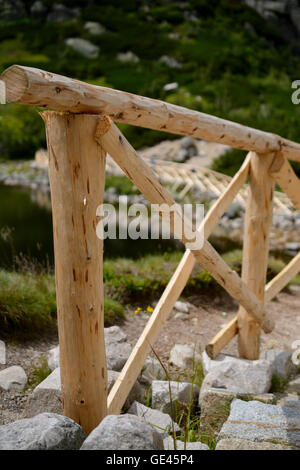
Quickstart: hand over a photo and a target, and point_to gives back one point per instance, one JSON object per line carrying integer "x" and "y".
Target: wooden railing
{"x": 80, "y": 131}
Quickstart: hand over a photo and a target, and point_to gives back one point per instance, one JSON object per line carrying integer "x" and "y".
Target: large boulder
{"x": 258, "y": 422}
{"x": 46, "y": 431}
{"x": 161, "y": 422}
{"x": 281, "y": 361}
{"x": 185, "y": 356}
{"x": 123, "y": 432}
{"x": 238, "y": 375}
{"x": 13, "y": 379}
{"x": 182, "y": 393}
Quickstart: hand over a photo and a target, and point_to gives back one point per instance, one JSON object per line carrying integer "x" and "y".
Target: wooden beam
{"x": 222, "y": 338}
{"x": 282, "y": 278}
{"x": 114, "y": 143}
{"x": 258, "y": 220}
{"x": 34, "y": 87}
{"x": 77, "y": 187}
{"x": 133, "y": 366}
{"x": 284, "y": 175}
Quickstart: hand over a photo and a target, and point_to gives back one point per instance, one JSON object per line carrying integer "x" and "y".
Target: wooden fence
{"x": 80, "y": 131}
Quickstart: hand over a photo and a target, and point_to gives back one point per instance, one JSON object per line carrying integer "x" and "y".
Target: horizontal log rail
{"x": 34, "y": 87}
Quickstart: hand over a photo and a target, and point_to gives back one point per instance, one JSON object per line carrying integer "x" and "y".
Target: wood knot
{"x": 102, "y": 127}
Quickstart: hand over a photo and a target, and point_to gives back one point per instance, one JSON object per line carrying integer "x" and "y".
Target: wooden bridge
{"x": 80, "y": 132}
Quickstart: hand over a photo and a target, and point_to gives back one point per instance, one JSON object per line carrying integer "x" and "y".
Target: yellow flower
{"x": 149, "y": 309}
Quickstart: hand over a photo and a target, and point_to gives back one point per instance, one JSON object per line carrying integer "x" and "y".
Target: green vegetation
{"x": 122, "y": 185}
{"x": 38, "y": 373}
{"x": 27, "y": 298}
{"x": 234, "y": 64}
{"x": 279, "y": 384}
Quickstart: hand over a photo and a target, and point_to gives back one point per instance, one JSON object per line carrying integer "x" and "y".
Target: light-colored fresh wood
{"x": 135, "y": 362}
{"x": 284, "y": 175}
{"x": 133, "y": 366}
{"x": 147, "y": 182}
{"x": 221, "y": 339}
{"x": 258, "y": 220}
{"x": 77, "y": 177}
{"x": 26, "y": 85}
{"x": 282, "y": 278}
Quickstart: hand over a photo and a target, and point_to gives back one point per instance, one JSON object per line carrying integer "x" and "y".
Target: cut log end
{"x": 103, "y": 125}
{"x": 16, "y": 83}
{"x": 268, "y": 325}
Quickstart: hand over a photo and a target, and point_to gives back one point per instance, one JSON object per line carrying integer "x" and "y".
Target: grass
{"x": 38, "y": 373}
{"x": 28, "y": 302}
{"x": 279, "y": 384}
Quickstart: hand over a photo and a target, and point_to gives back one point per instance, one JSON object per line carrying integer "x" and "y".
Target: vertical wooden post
{"x": 77, "y": 177}
{"x": 258, "y": 219}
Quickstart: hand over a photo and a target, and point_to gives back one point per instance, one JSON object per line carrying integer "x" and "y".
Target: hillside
{"x": 220, "y": 57}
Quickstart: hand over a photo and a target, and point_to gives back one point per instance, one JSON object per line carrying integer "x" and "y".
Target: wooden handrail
{"x": 34, "y": 87}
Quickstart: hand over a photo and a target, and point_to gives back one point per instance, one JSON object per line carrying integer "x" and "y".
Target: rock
{"x": 238, "y": 375}
{"x": 294, "y": 289}
{"x": 170, "y": 62}
{"x": 53, "y": 358}
{"x": 128, "y": 57}
{"x": 239, "y": 444}
{"x": 294, "y": 386}
{"x": 215, "y": 408}
{"x": 52, "y": 382}
{"x": 162, "y": 422}
{"x": 83, "y": 47}
{"x": 185, "y": 356}
{"x": 60, "y": 13}
{"x": 181, "y": 307}
{"x": 169, "y": 445}
{"x": 180, "y": 392}
{"x": 46, "y": 431}
{"x": 11, "y": 10}
{"x": 43, "y": 401}
{"x": 258, "y": 422}
{"x": 2, "y": 352}
{"x": 181, "y": 316}
{"x": 135, "y": 394}
{"x": 94, "y": 28}
{"x": 123, "y": 432}
{"x": 181, "y": 156}
{"x": 170, "y": 86}
{"x": 152, "y": 370}
{"x": 38, "y": 9}
{"x": 289, "y": 400}
{"x": 281, "y": 361}
{"x": 118, "y": 350}
{"x": 13, "y": 379}
{"x": 188, "y": 144}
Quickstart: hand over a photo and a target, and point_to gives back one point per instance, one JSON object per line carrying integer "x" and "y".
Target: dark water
{"x": 26, "y": 228}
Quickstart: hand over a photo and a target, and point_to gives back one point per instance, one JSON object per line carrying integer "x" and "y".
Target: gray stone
{"x": 215, "y": 408}
{"x": 294, "y": 386}
{"x": 238, "y": 375}
{"x": 60, "y": 13}
{"x": 281, "y": 361}
{"x": 123, "y": 432}
{"x": 170, "y": 86}
{"x": 239, "y": 444}
{"x": 135, "y": 394}
{"x": 43, "y": 401}
{"x": 181, "y": 307}
{"x": 2, "y": 352}
{"x": 83, "y": 47}
{"x": 256, "y": 421}
{"x": 117, "y": 348}
{"x": 52, "y": 382}
{"x": 94, "y": 28}
{"x": 128, "y": 57}
{"x": 289, "y": 400}
{"x": 170, "y": 62}
{"x": 185, "y": 356}
{"x": 162, "y": 422}
{"x": 180, "y": 392}
{"x": 181, "y": 156}
{"x": 46, "y": 431}
{"x": 13, "y": 379}
{"x": 152, "y": 370}
{"x": 169, "y": 445}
